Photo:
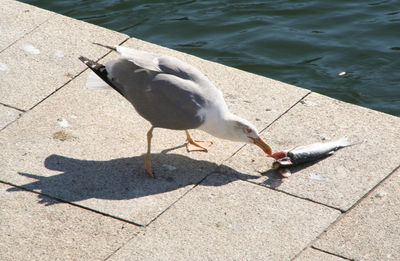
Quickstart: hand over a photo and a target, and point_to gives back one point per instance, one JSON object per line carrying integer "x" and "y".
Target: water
{"x": 348, "y": 51}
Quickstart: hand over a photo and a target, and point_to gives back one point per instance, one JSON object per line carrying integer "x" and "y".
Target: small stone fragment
{"x": 308, "y": 103}
{"x": 69, "y": 75}
{"x": 219, "y": 224}
{"x": 324, "y": 138}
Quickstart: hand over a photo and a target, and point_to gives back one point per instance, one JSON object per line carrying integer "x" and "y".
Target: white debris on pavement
{"x": 380, "y": 194}
{"x": 317, "y": 177}
{"x": 30, "y": 49}
{"x": 308, "y": 103}
{"x": 3, "y": 67}
{"x": 60, "y": 53}
{"x": 63, "y": 123}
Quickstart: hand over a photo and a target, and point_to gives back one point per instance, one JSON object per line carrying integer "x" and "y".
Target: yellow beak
{"x": 264, "y": 146}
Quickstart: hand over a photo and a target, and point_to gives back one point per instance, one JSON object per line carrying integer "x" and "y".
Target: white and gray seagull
{"x": 171, "y": 94}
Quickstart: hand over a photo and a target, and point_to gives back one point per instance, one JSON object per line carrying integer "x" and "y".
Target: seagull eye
{"x": 248, "y": 130}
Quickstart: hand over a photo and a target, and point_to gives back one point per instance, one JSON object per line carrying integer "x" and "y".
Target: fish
{"x": 307, "y": 153}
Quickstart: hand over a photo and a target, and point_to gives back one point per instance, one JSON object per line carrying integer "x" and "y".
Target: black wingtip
{"x": 90, "y": 63}
{"x": 83, "y": 59}
{"x": 100, "y": 70}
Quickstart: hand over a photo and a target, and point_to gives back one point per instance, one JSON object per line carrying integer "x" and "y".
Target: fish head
{"x": 278, "y": 155}
{"x": 282, "y": 162}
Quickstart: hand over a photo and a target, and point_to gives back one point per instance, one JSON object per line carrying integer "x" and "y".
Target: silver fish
{"x": 307, "y": 153}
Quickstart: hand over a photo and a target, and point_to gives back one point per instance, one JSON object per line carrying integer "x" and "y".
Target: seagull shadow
{"x": 274, "y": 179}
{"x": 117, "y": 179}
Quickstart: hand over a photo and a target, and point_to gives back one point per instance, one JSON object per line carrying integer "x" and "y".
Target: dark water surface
{"x": 305, "y": 43}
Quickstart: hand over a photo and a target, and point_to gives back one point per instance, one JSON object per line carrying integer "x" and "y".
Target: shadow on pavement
{"x": 274, "y": 179}
{"x": 118, "y": 179}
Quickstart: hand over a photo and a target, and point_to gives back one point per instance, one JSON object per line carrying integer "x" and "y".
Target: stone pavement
{"x": 72, "y": 185}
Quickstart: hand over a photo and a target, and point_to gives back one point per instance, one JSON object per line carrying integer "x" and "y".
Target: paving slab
{"x": 42, "y": 61}
{"x": 7, "y": 115}
{"x": 31, "y": 231}
{"x": 18, "y": 19}
{"x": 371, "y": 230}
{"x": 228, "y": 219}
{"x": 341, "y": 179}
{"x": 311, "y": 254}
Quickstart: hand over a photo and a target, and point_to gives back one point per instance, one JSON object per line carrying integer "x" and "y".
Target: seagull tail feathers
{"x": 106, "y": 46}
{"x": 97, "y": 79}
{"x": 94, "y": 82}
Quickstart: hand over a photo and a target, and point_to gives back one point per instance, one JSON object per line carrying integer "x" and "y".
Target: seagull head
{"x": 226, "y": 125}
{"x": 244, "y": 131}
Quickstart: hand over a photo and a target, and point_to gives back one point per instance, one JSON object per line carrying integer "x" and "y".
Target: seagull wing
{"x": 166, "y": 100}
{"x": 162, "y": 63}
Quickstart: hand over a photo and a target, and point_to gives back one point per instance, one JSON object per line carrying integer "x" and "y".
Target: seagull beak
{"x": 260, "y": 143}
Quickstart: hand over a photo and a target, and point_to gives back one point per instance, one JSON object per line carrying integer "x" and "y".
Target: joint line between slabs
{"x": 14, "y": 120}
{"x": 344, "y": 213}
{"x": 289, "y": 194}
{"x": 184, "y": 194}
{"x": 73, "y": 78}
{"x": 330, "y": 253}
{"x": 374, "y": 188}
{"x": 307, "y": 199}
{"x": 122, "y": 245}
{"x": 11, "y": 122}
{"x": 12, "y": 107}
{"x": 285, "y": 112}
{"x": 28, "y": 33}
{"x": 310, "y": 245}
{"x": 269, "y": 125}
{"x": 71, "y": 203}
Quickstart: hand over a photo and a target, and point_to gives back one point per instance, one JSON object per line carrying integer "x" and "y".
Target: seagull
{"x": 171, "y": 94}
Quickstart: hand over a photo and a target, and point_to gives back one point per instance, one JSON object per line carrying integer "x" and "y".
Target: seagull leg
{"x": 196, "y": 145}
{"x": 147, "y": 161}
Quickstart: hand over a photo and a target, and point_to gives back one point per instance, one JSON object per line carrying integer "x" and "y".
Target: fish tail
{"x": 94, "y": 82}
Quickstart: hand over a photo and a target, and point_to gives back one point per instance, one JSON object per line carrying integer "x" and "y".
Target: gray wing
{"x": 166, "y": 100}
{"x": 162, "y": 63}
